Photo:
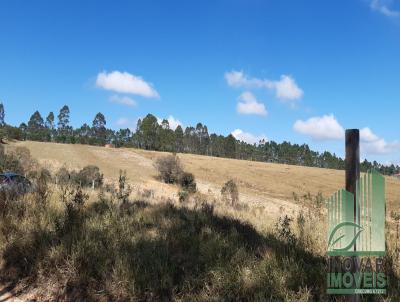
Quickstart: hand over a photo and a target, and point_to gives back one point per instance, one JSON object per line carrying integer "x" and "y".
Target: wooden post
{"x": 352, "y": 163}
{"x": 352, "y": 177}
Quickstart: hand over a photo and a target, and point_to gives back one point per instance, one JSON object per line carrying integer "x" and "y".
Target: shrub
{"x": 207, "y": 208}
{"x": 63, "y": 176}
{"x": 42, "y": 190}
{"x": 169, "y": 168}
{"x": 319, "y": 199}
{"x": 12, "y": 133}
{"x": 124, "y": 190}
{"x": 183, "y": 196}
{"x": 89, "y": 176}
{"x": 147, "y": 193}
{"x": 23, "y": 155}
{"x": 230, "y": 192}
{"x": 9, "y": 162}
{"x": 284, "y": 230}
{"x": 188, "y": 182}
{"x": 3, "y": 134}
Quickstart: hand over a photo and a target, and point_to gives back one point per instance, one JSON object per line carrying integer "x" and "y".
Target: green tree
{"x": 83, "y": 134}
{"x": 64, "y": 132}
{"x": 50, "y": 121}
{"x": 35, "y": 127}
{"x": 148, "y": 132}
{"x": 167, "y": 137}
{"x": 2, "y": 115}
{"x": 63, "y": 118}
{"x": 179, "y": 147}
{"x": 99, "y": 129}
{"x": 230, "y": 146}
{"x": 49, "y": 125}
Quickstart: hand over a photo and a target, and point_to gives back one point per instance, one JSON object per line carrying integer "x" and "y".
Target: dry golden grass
{"x": 266, "y": 184}
{"x": 266, "y": 193}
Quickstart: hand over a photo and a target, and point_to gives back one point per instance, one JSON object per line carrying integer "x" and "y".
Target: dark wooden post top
{"x": 353, "y": 176}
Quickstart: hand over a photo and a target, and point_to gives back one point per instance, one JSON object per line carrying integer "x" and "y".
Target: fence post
{"x": 352, "y": 177}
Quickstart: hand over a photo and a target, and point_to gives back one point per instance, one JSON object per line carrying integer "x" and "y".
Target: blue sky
{"x": 301, "y": 71}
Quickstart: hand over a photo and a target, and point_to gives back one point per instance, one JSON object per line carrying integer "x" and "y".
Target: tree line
{"x": 152, "y": 135}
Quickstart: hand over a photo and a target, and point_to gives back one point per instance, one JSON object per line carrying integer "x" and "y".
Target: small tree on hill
{"x": 170, "y": 168}
{"x": 230, "y": 192}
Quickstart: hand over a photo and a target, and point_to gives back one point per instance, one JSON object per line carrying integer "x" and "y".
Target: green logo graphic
{"x": 356, "y": 228}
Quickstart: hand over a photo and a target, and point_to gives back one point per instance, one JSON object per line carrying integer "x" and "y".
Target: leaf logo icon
{"x": 339, "y": 232}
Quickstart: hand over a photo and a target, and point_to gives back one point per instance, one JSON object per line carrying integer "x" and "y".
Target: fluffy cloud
{"x": 248, "y": 137}
{"x": 248, "y": 104}
{"x": 328, "y": 128}
{"x": 173, "y": 122}
{"x": 320, "y": 128}
{"x": 382, "y": 7}
{"x": 123, "y": 100}
{"x": 239, "y": 79}
{"x": 286, "y": 89}
{"x": 373, "y": 144}
{"x": 124, "y": 82}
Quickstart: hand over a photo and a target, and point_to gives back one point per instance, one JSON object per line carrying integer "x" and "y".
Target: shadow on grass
{"x": 161, "y": 253}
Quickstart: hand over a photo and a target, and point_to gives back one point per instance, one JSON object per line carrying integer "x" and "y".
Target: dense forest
{"x": 150, "y": 134}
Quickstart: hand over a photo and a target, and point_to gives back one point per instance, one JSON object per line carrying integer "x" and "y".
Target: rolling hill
{"x": 272, "y": 185}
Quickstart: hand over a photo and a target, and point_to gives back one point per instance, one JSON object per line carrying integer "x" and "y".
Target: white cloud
{"x": 328, "y": 128}
{"x": 239, "y": 79}
{"x": 367, "y": 136}
{"x": 248, "y": 104}
{"x": 383, "y": 7}
{"x": 248, "y": 137}
{"x": 173, "y": 122}
{"x": 124, "y": 82}
{"x": 320, "y": 128}
{"x": 123, "y": 100}
{"x": 286, "y": 89}
{"x": 373, "y": 144}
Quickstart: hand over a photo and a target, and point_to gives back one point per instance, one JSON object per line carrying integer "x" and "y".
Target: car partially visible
{"x": 12, "y": 182}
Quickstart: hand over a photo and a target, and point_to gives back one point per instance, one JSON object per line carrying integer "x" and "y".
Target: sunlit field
{"x": 139, "y": 238}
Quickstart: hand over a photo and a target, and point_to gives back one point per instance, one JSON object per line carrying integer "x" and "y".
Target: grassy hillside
{"x": 258, "y": 182}
{"x": 61, "y": 244}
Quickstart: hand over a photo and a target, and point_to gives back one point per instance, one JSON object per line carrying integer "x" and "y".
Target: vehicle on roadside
{"x": 13, "y": 182}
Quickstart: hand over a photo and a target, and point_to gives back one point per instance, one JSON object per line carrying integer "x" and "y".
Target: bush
{"x": 284, "y": 230}
{"x": 42, "y": 190}
{"x": 63, "y": 176}
{"x": 188, "y": 182}
{"x": 124, "y": 189}
{"x": 89, "y": 176}
{"x": 8, "y": 162}
{"x": 183, "y": 196}
{"x": 2, "y": 135}
{"x": 86, "y": 177}
{"x": 169, "y": 168}
{"x": 23, "y": 155}
{"x": 230, "y": 192}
